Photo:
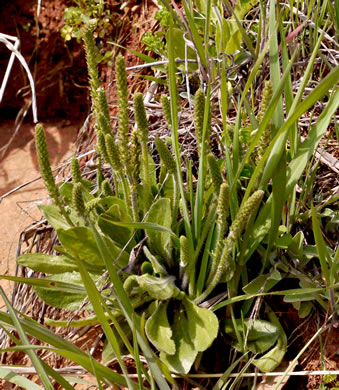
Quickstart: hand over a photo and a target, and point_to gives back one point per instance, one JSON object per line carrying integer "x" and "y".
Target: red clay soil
{"x": 18, "y": 166}
{"x": 60, "y": 74}
{"x": 59, "y": 70}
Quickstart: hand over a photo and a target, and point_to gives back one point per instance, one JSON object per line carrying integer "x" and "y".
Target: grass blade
{"x": 9, "y": 376}
{"x": 323, "y": 254}
{"x": 198, "y": 206}
{"x": 307, "y": 148}
{"x": 197, "y": 41}
{"x": 141, "y": 225}
{"x": 98, "y": 307}
{"x": 297, "y": 292}
{"x": 324, "y": 86}
{"x": 34, "y": 358}
{"x": 126, "y": 306}
{"x": 279, "y": 178}
{"x": 59, "y": 344}
{"x": 174, "y": 127}
{"x": 243, "y": 33}
{"x": 51, "y": 284}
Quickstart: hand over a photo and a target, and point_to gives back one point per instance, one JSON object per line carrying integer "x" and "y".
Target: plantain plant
{"x": 164, "y": 269}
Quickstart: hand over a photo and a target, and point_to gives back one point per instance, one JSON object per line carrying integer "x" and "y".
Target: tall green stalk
{"x": 143, "y": 133}
{"x": 46, "y": 171}
{"x": 174, "y": 131}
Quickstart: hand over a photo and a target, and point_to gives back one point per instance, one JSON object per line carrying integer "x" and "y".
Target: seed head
{"x": 123, "y": 130}
{"x": 135, "y": 155}
{"x": 214, "y": 172}
{"x": 77, "y": 199}
{"x": 103, "y": 124}
{"x": 44, "y": 164}
{"x": 113, "y": 153}
{"x": 140, "y": 117}
{"x": 166, "y": 108}
{"x": 199, "y": 109}
{"x": 265, "y": 99}
{"x": 102, "y": 145}
{"x": 244, "y": 214}
{"x": 106, "y": 189}
{"x": 223, "y": 203}
{"x": 165, "y": 156}
{"x": 76, "y": 173}
{"x": 199, "y": 113}
{"x": 184, "y": 251}
{"x": 92, "y": 204}
{"x": 92, "y": 56}
{"x": 102, "y": 106}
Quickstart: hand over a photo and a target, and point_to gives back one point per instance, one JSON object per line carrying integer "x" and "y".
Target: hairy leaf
{"x": 61, "y": 299}
{"x": 160, "y": 214}
{"x": 158, "y": 330}
{"x": 194, "y": 330}
{"x": 117, "y": 212}
{"x": 203, "y": 325}
{"x": 47, "y": 264}
{"x": 80, "y": 242}
{"x": 261, "y": 335}
{"x": 158, "y": 288}
{"x": 56, "y": 219}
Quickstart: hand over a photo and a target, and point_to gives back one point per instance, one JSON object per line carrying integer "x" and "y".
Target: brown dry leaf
{"x": 269, "y": 382}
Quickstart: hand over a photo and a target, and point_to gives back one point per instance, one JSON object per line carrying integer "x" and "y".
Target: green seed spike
{"x": 184, "y": 251}
{"x": 166, "y": 108}
{"x": 263, "y": 144}
{"x": 92, "y": 204}
{"x": 106, "y": 189}
{"x": 103, "y": 125}
{"x": 221, "y": 227}
{"x": 265, "y": 100}
{"x": 102, "y": 105}
{"x": 123, "y": 130}
{"x": 46, "y": 171}
{"x": 76, "y": 173}
{"x": 102, "y": 146}
{"x": 223, "y": 203}
{"x": 181, "y": 207}
{"x": 267, "y": 136}
{"x": 225, "y": 265}
{"x": 141, "y": 118}
{"x": 184, "y": 257}
{"x": 165, "y": 156}
{"x": 113, "y": 153}
{"x": 77, "y": 200}
{"x": 199, "y": 109}
{"x": 135, "y": 155}
{"x": 44, "y": 164}
{"x": 215, "y": 173}
{"x": 92, "y": 56}
{"x": 244, "y": 214}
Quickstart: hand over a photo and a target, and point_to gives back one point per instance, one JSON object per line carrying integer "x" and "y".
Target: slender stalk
{"x": 46, "y": 171}
{"x": 208, "y": 225}
{"x": 143, "y": 132}
{"x": 174, "y": 128}
{"x": 225, "y": 263}
{"x": 202, "y": 168}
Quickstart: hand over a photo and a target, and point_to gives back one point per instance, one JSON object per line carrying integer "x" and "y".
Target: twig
{"x": 326, "y": 158}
